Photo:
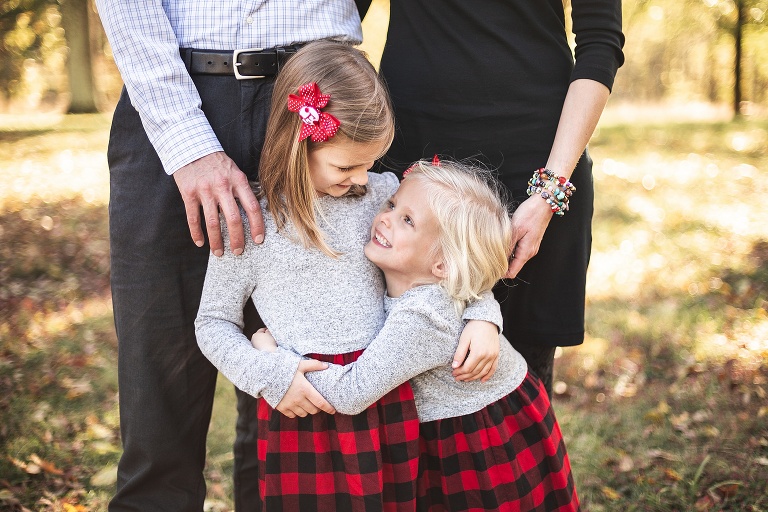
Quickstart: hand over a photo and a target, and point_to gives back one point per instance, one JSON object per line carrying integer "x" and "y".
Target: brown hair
{"x": 359, "y": 100}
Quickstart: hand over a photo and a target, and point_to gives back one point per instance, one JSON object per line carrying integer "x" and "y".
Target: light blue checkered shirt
{"x": 146, "y": 37}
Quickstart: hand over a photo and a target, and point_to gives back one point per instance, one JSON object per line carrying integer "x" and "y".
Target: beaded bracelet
{"x": 555, "y": 190}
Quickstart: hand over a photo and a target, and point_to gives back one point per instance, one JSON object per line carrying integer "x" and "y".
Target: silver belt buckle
{"x": 236, "y": 64}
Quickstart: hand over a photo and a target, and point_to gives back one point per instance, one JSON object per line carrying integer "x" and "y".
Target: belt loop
{"x": 186, "y": 56}
{"x": 280, "y": 51}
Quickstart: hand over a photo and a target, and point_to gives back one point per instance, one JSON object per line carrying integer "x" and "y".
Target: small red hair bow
{"x": 318, "y": 125}
{"x": 435, "y": 162}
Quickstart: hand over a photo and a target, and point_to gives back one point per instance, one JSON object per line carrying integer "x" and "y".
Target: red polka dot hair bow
{"x": 435, "y": 162}
{"x": 318, "y": 125}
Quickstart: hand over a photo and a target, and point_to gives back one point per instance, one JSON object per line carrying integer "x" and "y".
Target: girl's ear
{"x": 439, "y": 270}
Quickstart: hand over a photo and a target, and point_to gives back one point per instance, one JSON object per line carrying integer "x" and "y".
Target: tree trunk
{"x": 74, "y": 19}
{"x": 738, "y": 36}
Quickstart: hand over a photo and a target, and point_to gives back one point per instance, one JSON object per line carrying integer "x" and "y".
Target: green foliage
{"x": 683, "y": 50}
{"x": 30, "y": 32}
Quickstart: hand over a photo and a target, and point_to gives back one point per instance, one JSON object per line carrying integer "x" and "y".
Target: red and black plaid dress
{"x": 509, "y": 456}
{"x": 334, "y": 462}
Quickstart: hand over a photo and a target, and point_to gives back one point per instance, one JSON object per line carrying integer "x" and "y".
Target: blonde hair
{"x": 474, "y": 224}
{"x": 359, "y": 100}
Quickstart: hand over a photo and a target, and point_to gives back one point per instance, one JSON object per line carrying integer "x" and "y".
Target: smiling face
{"x": 403, "y": 240}
{"x": 336, "y": 165}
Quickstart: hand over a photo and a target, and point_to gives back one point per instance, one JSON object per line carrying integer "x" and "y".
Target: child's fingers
{"x": 312, "y": 365}
{"x": 317, "y": 401}
{"x": 306, "y": 407}
{"x": 322, "y": 404}
{"x": 481, "y": 370}
{"x": 477, "y": 366}
{"x": 469, "y": 368}
{"x": 461, "y": 354}
{"x": 488, "y": 375}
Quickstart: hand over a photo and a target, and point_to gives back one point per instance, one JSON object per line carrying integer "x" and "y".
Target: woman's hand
{"x": 529, "y": 222}
{"x": 481, "y": 340}
{"x": 302, "y": 398}
{"x": 263, "y": 340}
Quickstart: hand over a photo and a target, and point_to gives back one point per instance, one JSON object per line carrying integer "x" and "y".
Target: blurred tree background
{"x": 54, "y": 55}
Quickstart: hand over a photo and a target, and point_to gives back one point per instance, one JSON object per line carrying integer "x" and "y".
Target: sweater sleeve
{"x": 599, "y": 40}
{"x": 228, "y": 284}
{"x": 412, "y": 341}
{"x": 485, "y": 309}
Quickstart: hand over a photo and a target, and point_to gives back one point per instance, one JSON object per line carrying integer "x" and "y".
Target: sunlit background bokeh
{"x": 664, "y": 407}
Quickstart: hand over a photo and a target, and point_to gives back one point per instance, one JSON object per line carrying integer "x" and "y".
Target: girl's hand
{"x": 263, "y": 340}
{"x": 529, "y": 222}
{"x": 481, "y": 340}
{"x": 302, "y": 398}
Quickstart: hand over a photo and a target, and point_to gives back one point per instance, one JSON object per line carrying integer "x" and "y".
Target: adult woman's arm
{"x": 582, "y": 108}
{"x": 598, "y": 54}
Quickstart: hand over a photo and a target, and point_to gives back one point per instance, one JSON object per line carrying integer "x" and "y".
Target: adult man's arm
{"x": 146, "y": 52}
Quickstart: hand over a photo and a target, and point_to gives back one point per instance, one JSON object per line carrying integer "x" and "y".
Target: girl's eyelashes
{"x": 349, "y": 167}
{"x": 390, "y": 205}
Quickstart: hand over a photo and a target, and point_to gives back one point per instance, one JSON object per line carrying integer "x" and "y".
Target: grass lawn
{"x": 663, "y": 408}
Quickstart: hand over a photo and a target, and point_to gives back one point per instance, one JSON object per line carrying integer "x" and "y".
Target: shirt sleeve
{"x": 599, "y": 40}
{"x": 412, "y": 341}
{"x": 486, "y": 308}
{"x": 146, "y": 52}
{"x": 219, "y": 324}
{"x": 383, "y": 188}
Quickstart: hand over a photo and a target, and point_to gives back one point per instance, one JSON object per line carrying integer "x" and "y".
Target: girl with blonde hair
{"x": 442, "y": 240}
{"x": 320, "y": 296}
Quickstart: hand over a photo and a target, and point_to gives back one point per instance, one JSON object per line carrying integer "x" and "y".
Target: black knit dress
{"x": 487, "y": 79}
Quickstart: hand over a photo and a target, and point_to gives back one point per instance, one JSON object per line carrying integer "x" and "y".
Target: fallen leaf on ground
{"x": 76, "y": 388}
{"x": 105, "y": 477}
{"x": 658, "y": 414}
{"x": 7, "y": 497}
{"x": 704, "y": 503}
{"x": 661, "y": 454}
{"x": 626, "y": 464}
{"x": 610, "y": 493}
{"x": 46, "y": 466}
{"x": 727, "y": 489}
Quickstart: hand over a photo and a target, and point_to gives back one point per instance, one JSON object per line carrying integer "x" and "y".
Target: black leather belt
{"x": 243, "y": 64}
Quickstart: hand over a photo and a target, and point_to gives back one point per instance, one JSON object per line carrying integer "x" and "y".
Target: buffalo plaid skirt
{"x": 335, "y": 462}
{"x": 508, "y": 456}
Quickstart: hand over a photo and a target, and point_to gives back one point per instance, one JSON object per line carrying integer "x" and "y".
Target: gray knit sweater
{"x": 418, "y": 342}
{"x": 312, "y": 303}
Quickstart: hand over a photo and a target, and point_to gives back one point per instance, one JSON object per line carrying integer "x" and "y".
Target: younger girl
{"x": 441, "y": 240}
{"x": 330, "y": 119}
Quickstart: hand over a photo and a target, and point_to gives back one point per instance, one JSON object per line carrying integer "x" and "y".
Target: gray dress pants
{"x": 166, "y": 385}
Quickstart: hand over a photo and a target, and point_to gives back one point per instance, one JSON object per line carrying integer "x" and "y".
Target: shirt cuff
{"x": 184, "y": 142}
{"x": 286, "y": 365}
{"x": 486, "y": 309}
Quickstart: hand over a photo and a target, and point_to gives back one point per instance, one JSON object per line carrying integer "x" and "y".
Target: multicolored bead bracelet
{"x": 555, "y": 190}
